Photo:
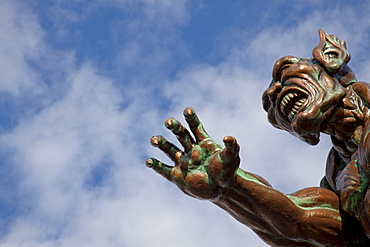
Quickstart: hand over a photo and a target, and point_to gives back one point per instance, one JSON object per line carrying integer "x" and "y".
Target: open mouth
{"x": 291, "y": 103}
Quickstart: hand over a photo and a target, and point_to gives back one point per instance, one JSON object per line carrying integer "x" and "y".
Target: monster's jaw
{"x": 304, "y": 103}
{"x": 291, "y": 101}
{"x": 297, "y": 113}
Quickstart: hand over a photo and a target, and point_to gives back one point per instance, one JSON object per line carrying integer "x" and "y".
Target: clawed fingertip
{"x": 170, "y": 123}
{"x": 189, "y": 112}
{"x": 229, "y": 140}
{"x": 149, "y": 163}
{"x": 231, "y": 143}
{"x": 155, "y": 140}
{"x": 159, "y": 167}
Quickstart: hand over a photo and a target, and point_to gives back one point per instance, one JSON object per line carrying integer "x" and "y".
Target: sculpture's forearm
{"x": 300, "y": 219}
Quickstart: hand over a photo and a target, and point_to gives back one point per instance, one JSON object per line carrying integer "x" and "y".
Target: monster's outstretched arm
{"x": 206, "y": 170}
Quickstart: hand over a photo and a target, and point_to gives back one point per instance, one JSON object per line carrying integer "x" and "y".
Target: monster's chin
{"x": 307, "y": 128}
{"x": 306, "y": 124}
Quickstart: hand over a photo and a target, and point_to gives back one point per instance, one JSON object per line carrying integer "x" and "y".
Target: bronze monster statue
{"x": 307, "y": 96}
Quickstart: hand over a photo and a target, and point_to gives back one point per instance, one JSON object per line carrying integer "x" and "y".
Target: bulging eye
{"x": 332, "y": 54}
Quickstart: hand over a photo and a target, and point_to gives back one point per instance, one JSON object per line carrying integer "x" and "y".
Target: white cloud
{"x": 56, "y": 149}
{"x": 20, "y": 38}
{"x": 163, "y": 11}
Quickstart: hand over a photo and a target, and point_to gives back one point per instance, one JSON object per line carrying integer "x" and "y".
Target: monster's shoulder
{"x": 363, "y": 91}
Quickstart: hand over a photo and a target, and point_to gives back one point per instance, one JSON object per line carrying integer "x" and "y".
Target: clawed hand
{"x": 203, "y": 168}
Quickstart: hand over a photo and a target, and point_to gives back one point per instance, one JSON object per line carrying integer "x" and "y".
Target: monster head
{"x": 305, "y": 91}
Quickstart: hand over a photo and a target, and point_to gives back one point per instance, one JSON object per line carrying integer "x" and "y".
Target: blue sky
{"x": 86, "y": 83}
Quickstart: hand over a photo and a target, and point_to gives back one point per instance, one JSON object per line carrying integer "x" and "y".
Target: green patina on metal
{"x": 309, "y": 203}
{"x": 249, "y": 177}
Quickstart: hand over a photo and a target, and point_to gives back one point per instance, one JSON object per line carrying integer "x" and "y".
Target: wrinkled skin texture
{"x": 306, "y": 97}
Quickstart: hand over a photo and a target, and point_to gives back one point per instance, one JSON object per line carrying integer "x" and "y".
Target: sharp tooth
{"x": 282, "y": 108}
{"x": 292, "y": 114}
{"x": 298, "y": 104}
{"x": 296, "y": 107}
{"x": 293, "y": 108}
